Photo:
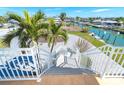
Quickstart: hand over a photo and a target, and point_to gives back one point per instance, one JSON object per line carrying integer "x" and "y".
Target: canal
{"x": 109, "y": 36}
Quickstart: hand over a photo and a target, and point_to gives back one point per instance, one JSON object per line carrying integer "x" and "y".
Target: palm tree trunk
{"x": 52, "y": 45}
{"x": 34, "y": 43}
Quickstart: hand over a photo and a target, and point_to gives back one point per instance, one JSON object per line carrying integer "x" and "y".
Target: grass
{"x": 89, "y": 38}
{"x": 2, "y": 45}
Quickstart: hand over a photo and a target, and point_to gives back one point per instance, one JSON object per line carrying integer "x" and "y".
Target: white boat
{"x": 97, "y": 37}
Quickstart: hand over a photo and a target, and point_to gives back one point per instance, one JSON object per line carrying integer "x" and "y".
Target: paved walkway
{"x": 68, "y": 80}
{"x": 58, "y": 80}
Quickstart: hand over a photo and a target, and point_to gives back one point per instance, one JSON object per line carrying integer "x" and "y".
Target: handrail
{"x": 103, "y": 61}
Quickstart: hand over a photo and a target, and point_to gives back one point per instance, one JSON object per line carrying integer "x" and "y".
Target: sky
{"x": 70, "y": 11}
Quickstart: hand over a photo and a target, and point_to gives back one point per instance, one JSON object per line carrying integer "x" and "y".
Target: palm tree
{"x": 77, "y": 18}
{"x": 62, "y": 17}
{"x": 30, "y": 29}
{"x": 55, "y": 33}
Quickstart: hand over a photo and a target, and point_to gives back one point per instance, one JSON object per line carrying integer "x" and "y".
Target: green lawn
{"x": 89, "y": 38}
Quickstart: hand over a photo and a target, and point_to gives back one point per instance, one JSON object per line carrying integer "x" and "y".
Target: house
{"x": 107, "y": 23}
{"x": 97, "y": 22}
{"x": 69, "y": 19}
{"x": 57, "y": 20}
{"x": 111, "y": 23}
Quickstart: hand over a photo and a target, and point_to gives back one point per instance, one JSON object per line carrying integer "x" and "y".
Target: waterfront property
{"x": 107, "y": 23}
{"x": 102, "y": 35}
{"x": 37, "y": 49}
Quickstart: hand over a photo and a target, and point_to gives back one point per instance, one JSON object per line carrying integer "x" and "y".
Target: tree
{"x": 90, "y": 19}
{"x": 85, "y": 29}
{"x": 78, "y": 19}
{"x": 62, "y": 17}
{"x": 120, "y": 20}
{"x": 30, "y": 29}
{"x": 55, "y": 33}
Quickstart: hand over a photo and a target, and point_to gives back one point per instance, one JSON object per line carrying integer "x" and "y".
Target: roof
{"x": 109, "y": 21}
{"x": 97, "y": 21}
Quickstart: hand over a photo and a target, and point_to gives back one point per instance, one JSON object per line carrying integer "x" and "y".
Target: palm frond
{"x": 41, "y": 26}
{"x": 27, "y": 17}
{"x": 58, "y": 27}
{"x": 24, "y": 25}
{"x": 31, "y": 28}
{"x": 38, "y": 16}
{"x": 15, "y": 17}
{"x": 62, "y": 16}
{"x": 7, "y": 38}
{"x": 23, "y": 39}
{"x": 63, "y": 35}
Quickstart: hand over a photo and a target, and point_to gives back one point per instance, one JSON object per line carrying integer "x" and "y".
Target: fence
{"x": 107, "y": 61}
{"x": 21, "y": 64}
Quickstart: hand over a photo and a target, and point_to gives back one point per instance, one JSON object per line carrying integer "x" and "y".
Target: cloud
{"x": 100, "y": 10}
{"x": 78, "y": 11}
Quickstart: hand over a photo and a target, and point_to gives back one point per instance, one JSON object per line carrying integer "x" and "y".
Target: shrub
{"x": 85, "y": 29}
{"x": 81, "y": 45}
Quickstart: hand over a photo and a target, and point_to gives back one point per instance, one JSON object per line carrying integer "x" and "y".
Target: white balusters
{"x": 104, "y": 63}
{"x": 115, "y": 66}
{"x": 12, "y": 60}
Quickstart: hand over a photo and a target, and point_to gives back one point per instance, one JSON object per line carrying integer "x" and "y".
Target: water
{"x": 109, "y": 36}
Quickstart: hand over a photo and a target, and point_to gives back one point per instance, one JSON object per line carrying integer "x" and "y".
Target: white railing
{"x": 21, "y": 64}
{"x": 107, "y": 61}
{"x": 116, "y": 54}
{"x": 31, "y": 63}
